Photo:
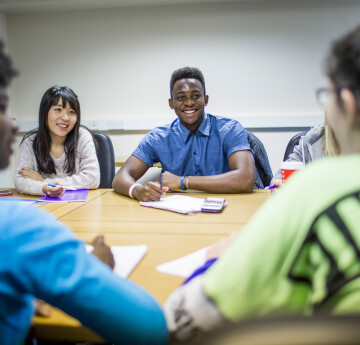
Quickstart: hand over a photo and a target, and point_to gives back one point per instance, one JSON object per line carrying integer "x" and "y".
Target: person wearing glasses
{"x": 300, "y": 253}
{"x": 317, "y": 143}
{"x": 197, "y": 150}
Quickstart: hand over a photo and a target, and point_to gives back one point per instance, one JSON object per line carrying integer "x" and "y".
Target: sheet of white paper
{"x": 126, "y": 258}
{"x": 176, "y": 203}
{"x": 20, "y": 201}
{"x": 185, "y": 265}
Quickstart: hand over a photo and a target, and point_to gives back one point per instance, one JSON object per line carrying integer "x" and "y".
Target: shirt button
{"x": 195, "y": 172}
{"x": 194, "y": 153}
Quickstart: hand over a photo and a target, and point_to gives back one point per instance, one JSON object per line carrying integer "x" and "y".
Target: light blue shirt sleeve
{"x": 41, "y": 257}
{"x": 236, "y": 139}
{"x": 145, "y": 150}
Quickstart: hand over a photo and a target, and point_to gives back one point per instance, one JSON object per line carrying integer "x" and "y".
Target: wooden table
{"x": 59, "y": 209}
{"x": 168, "y": 236}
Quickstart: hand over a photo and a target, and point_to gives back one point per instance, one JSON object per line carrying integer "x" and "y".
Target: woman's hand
{"x": 30, "y": 173}
{"x": 103, "y": 252}
{"x": 53, "y": 192}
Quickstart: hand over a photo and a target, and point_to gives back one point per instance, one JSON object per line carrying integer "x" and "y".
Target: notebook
{"x": 176, "y": 203}
{"x": 126, "y": 258}
{"x": 69, "y": 196}
{"x": 185, "y": 265}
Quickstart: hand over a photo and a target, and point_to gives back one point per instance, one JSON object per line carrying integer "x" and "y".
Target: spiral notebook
{"x": 69, "y": 196}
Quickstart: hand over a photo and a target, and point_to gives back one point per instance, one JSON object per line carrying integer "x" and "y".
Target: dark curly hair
{"x": 7, "y": 72}
{"x": 187, "y": 72}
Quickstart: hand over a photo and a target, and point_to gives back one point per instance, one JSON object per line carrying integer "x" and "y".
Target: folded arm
{"x": 240, "y": 178}
{"x": 24, "y": 182}
{"x": 88, "y": 176}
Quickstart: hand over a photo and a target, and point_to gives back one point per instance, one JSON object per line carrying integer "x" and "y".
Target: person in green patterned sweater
{"x": 300, "y": 253}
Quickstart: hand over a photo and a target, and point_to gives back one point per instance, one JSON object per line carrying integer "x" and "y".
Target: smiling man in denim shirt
{"x": 197, "y": 150}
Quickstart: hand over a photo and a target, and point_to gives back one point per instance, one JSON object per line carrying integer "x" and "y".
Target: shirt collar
{"x": 204, "y": 128}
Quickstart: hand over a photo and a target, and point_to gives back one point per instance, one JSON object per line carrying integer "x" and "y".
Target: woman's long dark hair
{"x": 42, "y": 140}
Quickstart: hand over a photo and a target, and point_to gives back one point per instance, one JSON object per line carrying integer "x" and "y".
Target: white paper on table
{"x": 185, "y": 265}
{"x": 176, "y": 203}
{"x": 126, "y": 257}
{"x": 19, "y": 200}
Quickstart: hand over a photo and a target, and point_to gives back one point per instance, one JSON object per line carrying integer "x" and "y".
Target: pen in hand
{"x": 57, "y": 185}
{"x": 57, "y": 193}
{"x": 271, "y": 187}
{"x": 161, "y": 183}
{"x": 161, "y": 180}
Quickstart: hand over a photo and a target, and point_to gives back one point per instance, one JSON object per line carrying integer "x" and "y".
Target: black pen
{"x": 161, "y": 180}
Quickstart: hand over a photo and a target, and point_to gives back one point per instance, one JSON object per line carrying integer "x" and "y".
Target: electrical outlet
{"x": 93, "y": 124}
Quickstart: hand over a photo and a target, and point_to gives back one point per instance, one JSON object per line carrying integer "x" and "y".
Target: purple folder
{"x": 69, "y": 196}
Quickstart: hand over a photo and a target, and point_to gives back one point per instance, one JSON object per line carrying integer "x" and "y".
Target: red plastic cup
{"x": 288, "y": 168}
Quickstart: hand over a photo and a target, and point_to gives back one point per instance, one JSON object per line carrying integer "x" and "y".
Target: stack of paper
{"x": 176, "y": 203}
{"x": 126, "y": 258}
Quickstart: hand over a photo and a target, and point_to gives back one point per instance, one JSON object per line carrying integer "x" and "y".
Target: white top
{"x": 87, "y": 171}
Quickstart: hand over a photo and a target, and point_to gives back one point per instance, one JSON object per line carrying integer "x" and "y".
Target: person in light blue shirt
{"x": 41, "y": 258}
{"x": 197, "y": 150}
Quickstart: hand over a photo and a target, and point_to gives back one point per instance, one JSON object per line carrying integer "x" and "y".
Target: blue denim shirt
{"x": 203, "y": 152}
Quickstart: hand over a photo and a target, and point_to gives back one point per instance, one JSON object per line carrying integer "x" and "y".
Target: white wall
{"x": 3, "y": 29}
{"x": 259, "y": 59}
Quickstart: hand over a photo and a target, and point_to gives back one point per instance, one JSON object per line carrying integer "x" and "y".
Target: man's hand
{"x": 151, "y": 191}
{"x": 30, "y": 173}
{"x": 103, "y": 252}
{"x": 53, "y": 192}
{"x": 171, "y": 181}
{"x": 41, "y": 308}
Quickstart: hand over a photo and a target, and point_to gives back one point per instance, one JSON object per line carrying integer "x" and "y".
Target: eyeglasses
{"x": 322, "y": 95}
